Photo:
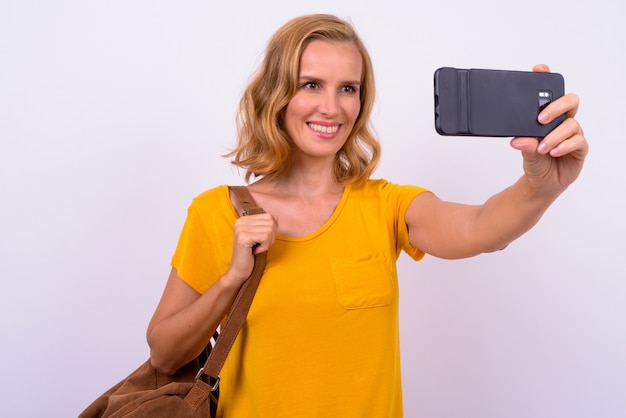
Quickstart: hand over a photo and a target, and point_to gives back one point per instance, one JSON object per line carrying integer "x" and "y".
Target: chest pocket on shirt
{"x": 363, "y": 282}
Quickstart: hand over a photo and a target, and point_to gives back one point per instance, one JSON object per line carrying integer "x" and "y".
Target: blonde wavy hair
{"x": 264, "y": 148}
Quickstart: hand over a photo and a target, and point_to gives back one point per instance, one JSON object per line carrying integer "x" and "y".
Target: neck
{"x": 304, "y": 181}
{"x": 307, "y": 176}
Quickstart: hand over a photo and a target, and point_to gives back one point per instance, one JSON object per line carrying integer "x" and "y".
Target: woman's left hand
{"x": 551, "y": 164}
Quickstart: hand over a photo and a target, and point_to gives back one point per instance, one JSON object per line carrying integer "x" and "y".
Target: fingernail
{"x": 543, "y": 117}
{"x": 542, "y": 147}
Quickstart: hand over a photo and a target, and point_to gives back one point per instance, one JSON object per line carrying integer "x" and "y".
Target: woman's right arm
{"x": 185, "y": 320}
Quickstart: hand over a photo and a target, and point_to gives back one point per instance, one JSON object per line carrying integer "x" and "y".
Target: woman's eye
{"x": 311, "y": 85}
{"x": 349, "y": 89}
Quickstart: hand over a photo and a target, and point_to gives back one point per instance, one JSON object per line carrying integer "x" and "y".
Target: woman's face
{"x": 322, "y": 113}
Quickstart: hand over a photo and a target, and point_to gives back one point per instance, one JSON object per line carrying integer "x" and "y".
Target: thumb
{"x": 523, "y": 143}
{"x": 259, "y": 248}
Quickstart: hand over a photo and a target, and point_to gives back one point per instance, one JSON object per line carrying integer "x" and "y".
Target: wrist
{"x": 535, "y": 191}
{"x": 230, "y": 281}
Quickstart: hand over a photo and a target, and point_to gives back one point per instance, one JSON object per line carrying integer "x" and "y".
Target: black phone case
{"x": 494, "y": 103}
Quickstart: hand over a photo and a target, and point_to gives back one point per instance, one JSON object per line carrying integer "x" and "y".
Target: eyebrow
{"x": 313, "y": 78}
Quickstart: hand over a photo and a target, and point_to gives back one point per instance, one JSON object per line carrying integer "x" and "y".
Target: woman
{"x": 321, "y": 338}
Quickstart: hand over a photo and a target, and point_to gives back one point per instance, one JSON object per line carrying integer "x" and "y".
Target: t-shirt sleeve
{"x": 205, "y": 243}
{"x": 406, "y": 194}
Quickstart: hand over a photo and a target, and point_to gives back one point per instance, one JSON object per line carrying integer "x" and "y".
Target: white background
{"x": 114, "y": 114}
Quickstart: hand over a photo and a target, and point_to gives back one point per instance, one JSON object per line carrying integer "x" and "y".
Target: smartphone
{"x": 494, "y": 103}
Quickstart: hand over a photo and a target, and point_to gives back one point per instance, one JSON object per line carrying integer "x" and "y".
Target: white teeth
{"x": 324, "y": 129}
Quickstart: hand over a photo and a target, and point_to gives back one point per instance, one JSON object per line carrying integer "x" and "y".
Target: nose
{"x": 329, "y": 103}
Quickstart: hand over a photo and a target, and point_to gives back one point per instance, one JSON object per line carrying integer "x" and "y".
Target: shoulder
{"x": 212, "y": 197}
{"x": 380, "y": 188}
{"x": 212, "y": 203}
{"x": 210, "y": 210}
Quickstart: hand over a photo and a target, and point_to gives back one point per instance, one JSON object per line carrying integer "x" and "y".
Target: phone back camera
{"x": 544, "y": 98}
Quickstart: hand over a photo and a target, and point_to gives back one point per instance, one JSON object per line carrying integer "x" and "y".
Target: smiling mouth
{"x": 323, "y": 129}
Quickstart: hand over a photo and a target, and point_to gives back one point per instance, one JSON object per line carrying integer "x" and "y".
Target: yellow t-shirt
{"x": 321, "y": 338}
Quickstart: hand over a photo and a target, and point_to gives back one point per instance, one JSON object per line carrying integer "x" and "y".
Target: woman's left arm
{"x": 452, "y": 230}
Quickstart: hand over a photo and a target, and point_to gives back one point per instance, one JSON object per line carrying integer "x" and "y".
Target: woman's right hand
{"x": 254, "y": 234}
{"x": 184, "y": 319}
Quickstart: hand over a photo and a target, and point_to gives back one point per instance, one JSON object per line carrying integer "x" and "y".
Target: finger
{"x": 254, "y": 222}
{"x": 553, "y": 143}
{"x": 566, "y": 105}
{"x": 575, "y": 144}
{"x": 541, "y": 68}
{"x": 256, "y": 231}
{"x": 527, "y": 144}
{"x": 565, "y": 138}
{"x": 260, "y": 248}
{"x": 263, "y": 245}
{"x": 258, "y": 241}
